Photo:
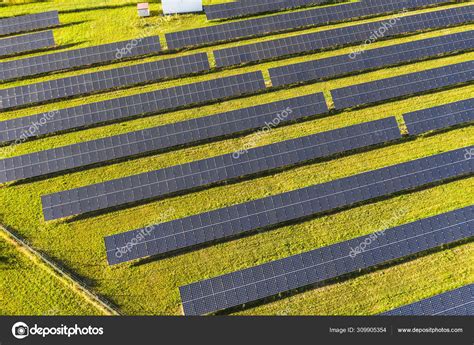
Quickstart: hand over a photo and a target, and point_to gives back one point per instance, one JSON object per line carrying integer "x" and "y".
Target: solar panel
{"x": 404, "y": 85}
{"x": 288, "y": 21}
{"x": 153, "y": 139}
{"x": 371, "y": 59}
{"x": 28, "y": 22}
{"x": 270, "y": 211}
{"x": 315, "y": 266}
{"x": 217, "y": 169}
{"x": 458, "y": 302}
{"x": 245, "y": 8}
{"x": 350, "y": 35}
{"x": 119, "y": 109}
{"x": 78, "y": 58}
{"x": 443, "y": 116}
{"x": 194, "y": 130}
{"x": 104, "y": 80}
{"x": 26, "y": 43}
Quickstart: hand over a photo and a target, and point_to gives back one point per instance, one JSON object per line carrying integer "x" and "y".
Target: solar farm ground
{"x": 28, "y": 286}
{"x": 151, "y": 287}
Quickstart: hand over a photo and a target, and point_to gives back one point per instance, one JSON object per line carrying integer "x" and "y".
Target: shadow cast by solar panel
{"x": 33, "y": 30}
{"x": 4, "y": 259}
{"x": 8, "y": 263}
{"x": 344, "y": 278}
{"x": 35, "y": 51}
{"x": 19, "y": 4}
{"x": 66, "y": 25}
{"x": 179, "y": 252}
{"x": 233, "y": 181}
{"x": 401, "y": 98}
{"x": 98, "y": 8}
{"x": 49, "y": 50}
{"x": 439, "y": 131}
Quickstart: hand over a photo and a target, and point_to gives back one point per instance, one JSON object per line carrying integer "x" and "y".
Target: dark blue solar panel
{"x": 26, "y": 43}
{"x": 76, "y": 58}
{"x": 104, "y": 80}
{"x": 221, "y": 168}
{"x": 371, "y": 59}
{"x": 245, "y": 8}
{"x": 28, "y": 22}
{"x": 458, "y": 302}
{"x": 259, "y": 282}
{"x": 119, "y": 109}
{"x": 288, "y": 21}
{"x": 278, "y": 48}
{"x": 443, "y": 116}
{"x": 403, "y": 85}
{"x": 157, "y": 138}
{"x": 273, "y": 210}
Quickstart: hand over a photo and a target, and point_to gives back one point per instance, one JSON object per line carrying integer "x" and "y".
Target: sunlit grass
{"x": 28, "y": 287}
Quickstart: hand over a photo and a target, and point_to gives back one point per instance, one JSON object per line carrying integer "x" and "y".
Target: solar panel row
{"x": 217, "y": 169}
{"x": 371, "y": 59}
{"x": 288, "y": 21}
{"x": 122, "y": 108}
{"x": 250, "y": 7}
{"x": 408, "y": 84}
{"x": 26, "y": 43}
{"x": 99, "y": 81}
{"x": 77, "y": 201}
{"x": 443, "y": 116}
{"x": 458, "y": 302}
{"x": 308, "y": 268}
{"x": 148, "y": 140}
{"x": 207, "y": 127}
{"x": 306, "y": 43}
{"x": 28, "y": 22}
{"x": 78, "y": 58}
{"x": 235, "y": 220}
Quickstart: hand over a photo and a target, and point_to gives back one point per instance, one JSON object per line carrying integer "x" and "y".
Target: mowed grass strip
{"x": 152, "y": 288}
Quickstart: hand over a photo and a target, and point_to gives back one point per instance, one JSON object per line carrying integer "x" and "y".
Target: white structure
{"x": 181, "y": 6}
{"x": 143, "y": 9}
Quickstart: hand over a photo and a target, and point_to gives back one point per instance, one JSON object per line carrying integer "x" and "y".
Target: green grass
{"x": 153, "y": 288}
{"x": 28, "y": 287}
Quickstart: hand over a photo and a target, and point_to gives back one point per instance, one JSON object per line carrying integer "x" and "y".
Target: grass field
{"x": 152, "y": 288}
{"x": 29, "y": 287}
